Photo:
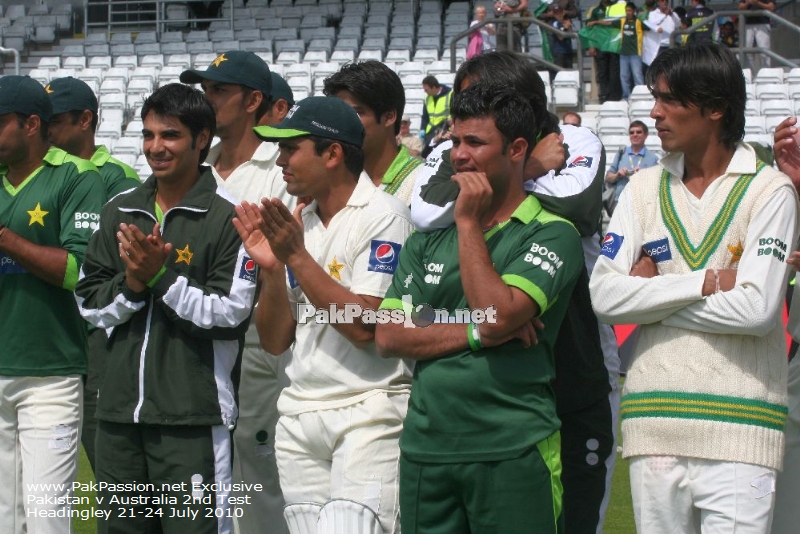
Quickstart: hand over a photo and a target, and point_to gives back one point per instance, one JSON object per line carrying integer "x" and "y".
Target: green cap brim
{"x": 270, "y": 133}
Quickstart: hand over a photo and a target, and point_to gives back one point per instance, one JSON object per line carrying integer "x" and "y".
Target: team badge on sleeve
{"x": 581, "y": 161}
{"x": 611, "y": 245}
{"x": 248, "y": 270}
{"x": 658, "y": 250}
{"x": 383, "y": 256}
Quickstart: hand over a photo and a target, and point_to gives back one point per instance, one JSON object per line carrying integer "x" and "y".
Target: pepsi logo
{"x": 385, "y": 253}
{"x": 609, "y": 240}
{"x": 250, "y": 266}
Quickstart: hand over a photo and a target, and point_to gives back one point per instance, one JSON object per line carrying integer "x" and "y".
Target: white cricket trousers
{"x": 345, "y": 453}
{"x": 40, "y": 421}
{"x": 693, "y": 496}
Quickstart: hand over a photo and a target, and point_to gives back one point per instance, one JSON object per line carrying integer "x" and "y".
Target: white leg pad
{"x": 302, "y": 517}
{"x": 342, "y": 516}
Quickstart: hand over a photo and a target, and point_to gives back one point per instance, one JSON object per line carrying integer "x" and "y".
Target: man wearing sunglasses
{"x": 630, "y": 160}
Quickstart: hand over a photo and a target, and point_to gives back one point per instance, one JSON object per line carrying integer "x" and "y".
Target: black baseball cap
{"x": 71, "y": 94}
{"x": 23, "y": 94}
{"x": 281, "y": 89}
{"x": 236, "y": 67}
{"x": 322, "y": 116}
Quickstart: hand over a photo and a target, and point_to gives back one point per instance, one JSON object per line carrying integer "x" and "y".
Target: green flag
{"x": 605, "y": 38}
{"x": 541, "y": 8}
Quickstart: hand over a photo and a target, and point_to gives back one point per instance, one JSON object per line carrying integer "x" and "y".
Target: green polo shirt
{"x": 57, "y": 206}
{"x": 117, "y": 176}
{"x": 495, "y": 403}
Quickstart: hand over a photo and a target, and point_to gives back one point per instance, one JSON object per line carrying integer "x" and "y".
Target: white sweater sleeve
{"x": 618, "y": 297}
{"x": 754, "y": 305}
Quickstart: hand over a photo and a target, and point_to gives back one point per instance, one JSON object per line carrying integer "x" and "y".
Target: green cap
{"x": 71, "y": 94}
{"x": 323, "y": 116}
{"x": 235, "y": 67}
{"x": 23, "y": 94}
{"x": 281, "y": 89}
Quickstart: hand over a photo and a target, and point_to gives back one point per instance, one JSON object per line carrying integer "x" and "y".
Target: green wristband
{"x": 473, "y": 338}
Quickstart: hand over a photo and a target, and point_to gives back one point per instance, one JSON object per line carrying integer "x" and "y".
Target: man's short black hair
{"x": 188, "y": 105}
{"x": 708, "y": 76}
{"x": 353, "y": 155}
{"x": 430, "y": 81}
{"x": 373, "y": 83}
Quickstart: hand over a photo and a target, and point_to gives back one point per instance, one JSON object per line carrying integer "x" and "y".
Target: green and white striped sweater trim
{"x": 697, "y": 257}
{"x": 706, "y": 407}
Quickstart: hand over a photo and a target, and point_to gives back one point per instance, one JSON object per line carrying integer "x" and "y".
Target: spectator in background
{"x": 572, "y": 118}
{"x": 630, "y": 160}
{"x": 561, "y": 47}
{"x": 412, "y": 142}
{"x": 606, "y": 63}
{"x": 485, "y": 31}
{"x": 630, "y": 52}
{"x": 728, "y": 35}
{"x": 435, "y": 109}
{"x": 756, "y": 31}
{"x": 661, "y": 22}
{"x": 509, "y": 9}
{"x": 698, "y": 12}
{"x": 567, "y": 8}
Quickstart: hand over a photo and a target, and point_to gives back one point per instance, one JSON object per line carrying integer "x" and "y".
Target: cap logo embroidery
{"x": 219, "y": 60}
{"x": 48, "y": 90}
{"x": 291, "y": 111}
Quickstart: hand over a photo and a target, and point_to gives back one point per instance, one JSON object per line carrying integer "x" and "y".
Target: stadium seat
{"x": 640, "y": 108}
{"x": 130, "y": 62}
{"x": 768, "y": 76}
{"x": 113, "y": 86}
{"x": 122, "y": 73}
{"x": 613, "y": 108}
{"x": 185, "y": 60}
{"x": 314, "y": 57}
{"x": 154, "y": 61}
{"x": 781, "y": 108}
{"x": 75, "y": 62}
{"x": 49, "y": 62}
{"x": 365, "y": 55}
{"x": 40, "y": 75}
{"x": 755, "y": 125}
{"x": 200, "y": 47}
{"x": 398, "y": 56}
{"x": 752, "y": 107}
{"x": 100, "y": 62}
{"x": 147, "y": 49}
{"x": 607, "y": 126}
{"x": 129, "y": 144}
{"x": 772, "y": 91}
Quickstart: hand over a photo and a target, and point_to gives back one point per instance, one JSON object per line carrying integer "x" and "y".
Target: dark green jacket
{"x": 172, "y": 348}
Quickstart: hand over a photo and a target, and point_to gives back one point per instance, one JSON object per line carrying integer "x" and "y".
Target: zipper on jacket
{"x": 142, "y": 360}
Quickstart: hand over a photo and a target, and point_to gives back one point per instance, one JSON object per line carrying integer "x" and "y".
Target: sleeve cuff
{"x": 70, "y": 273}
{"x": 530, "y": 289}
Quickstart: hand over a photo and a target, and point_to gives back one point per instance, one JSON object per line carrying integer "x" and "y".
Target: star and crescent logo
{"x": 184, "y": 256}
{"x": 219, "y": 60}
{"x": 334, "y": 269}
{"x": 37, "y": 215}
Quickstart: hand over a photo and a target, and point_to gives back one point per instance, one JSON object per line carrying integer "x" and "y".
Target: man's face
{"x": 663, "y": 5}
{"x": 680, "y": 128}
{"x": 429, "y": 90}
{"x": 13, "y": 143}
{"x": 629, "y": 12}
{"x": 304, "y": 171}
{"x": 64, "y": 133}
{"x": 478, "y": 147}
{"x": 229, "y": 105}
{"x": 276, "y": 113}
{"x": 637, "y": 135}
{"x": 375, "y": 131}
{"x": 405, "y": 128}
{"x": 169, "y": 149}
{"x": 571, "y": 119}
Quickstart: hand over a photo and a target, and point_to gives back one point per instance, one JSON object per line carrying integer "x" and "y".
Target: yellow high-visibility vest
{"x": 438, "y": 110}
